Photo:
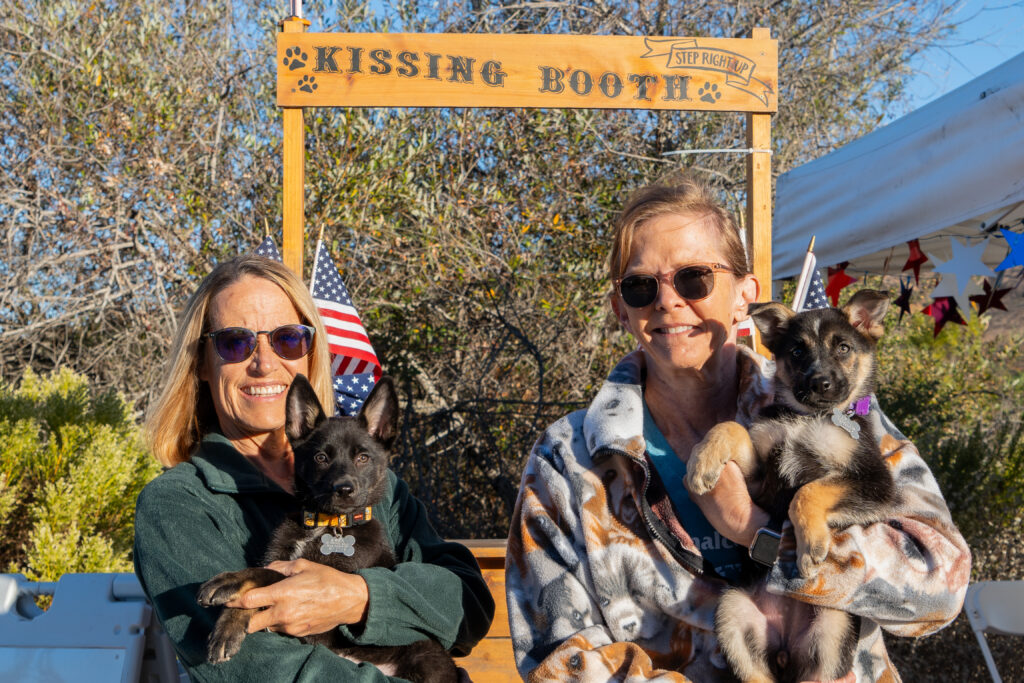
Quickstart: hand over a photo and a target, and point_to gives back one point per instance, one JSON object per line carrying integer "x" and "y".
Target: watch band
{"x": 764, "y": 549}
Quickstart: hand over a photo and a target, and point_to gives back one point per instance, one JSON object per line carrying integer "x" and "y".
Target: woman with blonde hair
{"x": 218, "y": 426}
{"x": 183, "y": 412}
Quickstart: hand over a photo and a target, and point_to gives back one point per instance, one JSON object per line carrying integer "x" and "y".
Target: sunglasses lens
{"x": 292, "y": 342}
{"x": 234, "y": 344}
{"x": 694, "y": 283}
{"x": 638, "y": 290}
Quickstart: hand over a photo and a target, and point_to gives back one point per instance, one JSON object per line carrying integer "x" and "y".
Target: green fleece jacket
{"x": 217, "y": 513}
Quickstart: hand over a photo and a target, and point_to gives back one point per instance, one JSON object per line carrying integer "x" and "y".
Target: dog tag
{"x": 346, "y": 545}
{"x": 842, "y": 420}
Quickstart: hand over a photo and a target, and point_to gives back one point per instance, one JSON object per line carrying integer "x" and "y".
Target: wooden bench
{"x": 492, "y": 660}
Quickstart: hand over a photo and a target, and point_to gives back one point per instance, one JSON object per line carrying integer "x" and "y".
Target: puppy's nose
{"x": 344, "y": 488}
{"x": 821, "y": 384}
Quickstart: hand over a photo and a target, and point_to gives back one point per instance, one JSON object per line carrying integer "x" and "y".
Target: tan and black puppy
{"x": 341, "y": 466}
{"x": 813, "y": 455}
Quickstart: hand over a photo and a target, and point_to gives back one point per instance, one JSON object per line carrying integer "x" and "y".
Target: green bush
{"x": 73, "y": 462}
{"x": 958, "y": 397}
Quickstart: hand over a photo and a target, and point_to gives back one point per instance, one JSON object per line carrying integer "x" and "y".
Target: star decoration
{"x": 903, "y": 300}
{"x": 957, "y": 272}
{"x": 992, "y": 298}
{"x": 915, "y": 260}
{"x": 944, "y": 310}
{"x": 948, "y": 288}
{"x": 1014, "y": 257}
{"x": 837, "y": 279}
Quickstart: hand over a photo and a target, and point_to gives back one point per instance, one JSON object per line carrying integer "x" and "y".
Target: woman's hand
{"x": 313, "y": 599}
{"x": 729, "y": 508}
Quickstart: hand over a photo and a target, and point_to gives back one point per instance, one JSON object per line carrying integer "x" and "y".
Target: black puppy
{"x": 340, "y": 473}
{"x": 813, "y": 456}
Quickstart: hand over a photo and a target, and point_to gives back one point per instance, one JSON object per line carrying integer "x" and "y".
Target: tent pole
{"x": 294, "y": 172}
{"x": 759, "y": 195}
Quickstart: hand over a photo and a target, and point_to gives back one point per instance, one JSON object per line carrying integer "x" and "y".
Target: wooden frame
{"x": 521, "y": 70}
{"x": 518, "y": 70}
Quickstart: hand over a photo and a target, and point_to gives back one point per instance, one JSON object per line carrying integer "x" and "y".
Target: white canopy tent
{"x": 952, "y": 167}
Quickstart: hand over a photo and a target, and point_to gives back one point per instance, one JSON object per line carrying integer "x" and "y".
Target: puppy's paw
{"x": 812, "y": 553}
{"x": 701, "y": 476}
{"x": 220, "y": 589}
{"x": 224, "y": 642}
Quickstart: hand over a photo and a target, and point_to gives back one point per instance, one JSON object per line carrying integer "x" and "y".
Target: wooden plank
{"x": 294, "y": 171}
{"x": 491, "y": 661}
{"x": 496, "y": 583}
{"x": 759, "y": 197}
{"x": 485, "y": 547}
{"x": 524, "y": 70}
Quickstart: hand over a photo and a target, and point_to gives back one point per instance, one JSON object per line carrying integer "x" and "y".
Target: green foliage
{"x": 72, "y": 464}
{"x": 140, "y": 143}
{"x": 958, "y": 397}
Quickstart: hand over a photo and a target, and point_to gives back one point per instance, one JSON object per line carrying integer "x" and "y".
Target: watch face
{"x": 765, "y": 548}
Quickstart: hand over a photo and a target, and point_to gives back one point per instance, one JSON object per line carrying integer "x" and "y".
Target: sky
{"x": 989, "y": 32}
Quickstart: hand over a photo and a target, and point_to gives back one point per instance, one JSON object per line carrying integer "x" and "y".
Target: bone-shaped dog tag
{"x": 346, "y": 545}
{"x": 842, "y": 420}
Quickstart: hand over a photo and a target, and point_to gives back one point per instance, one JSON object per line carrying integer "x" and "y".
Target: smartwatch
{"x": 764, "y": 549}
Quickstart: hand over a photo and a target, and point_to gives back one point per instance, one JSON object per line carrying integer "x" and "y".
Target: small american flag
{"x": 268, "y": 249}
{"x": 350, "y": 391}
{"x": 816, "y": 296}
{"x": 346, "y": 337}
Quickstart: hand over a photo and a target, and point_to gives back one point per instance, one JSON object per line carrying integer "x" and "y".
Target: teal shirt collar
{"x": 224, "y": 470}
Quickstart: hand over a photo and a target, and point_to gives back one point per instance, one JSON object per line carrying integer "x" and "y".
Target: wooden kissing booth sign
{"x": 530, "y": 70}
{"x": 516, "y": 70}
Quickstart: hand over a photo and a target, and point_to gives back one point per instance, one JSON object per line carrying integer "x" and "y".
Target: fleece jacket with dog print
{"x": 603, "y": 582}
{"x": 217, "y": 513}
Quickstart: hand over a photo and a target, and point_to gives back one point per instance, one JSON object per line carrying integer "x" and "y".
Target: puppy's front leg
{"x": 724, "y": 442}
{"x": 810, "y": 511}
{"x": 232, "y": 625}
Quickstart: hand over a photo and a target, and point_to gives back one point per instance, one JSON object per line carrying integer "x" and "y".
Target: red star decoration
{"x": 944, "y": 310}
{"x": 990, "y": 299}
{"x": 837, "y": 279}
{"x": 903, "y": 301}
{"x": 915, "y": 260}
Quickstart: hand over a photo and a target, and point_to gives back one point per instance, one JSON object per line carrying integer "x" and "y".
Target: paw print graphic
{"x": 709, "y": 93}
{"x": 307, "y": 84}
{"x": 294, "y": 58}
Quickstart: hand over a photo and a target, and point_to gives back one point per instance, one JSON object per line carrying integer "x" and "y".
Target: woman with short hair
{"x": 614, "y": 568}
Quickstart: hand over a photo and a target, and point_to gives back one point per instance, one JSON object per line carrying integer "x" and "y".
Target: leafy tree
{"x": 141, "y": 143}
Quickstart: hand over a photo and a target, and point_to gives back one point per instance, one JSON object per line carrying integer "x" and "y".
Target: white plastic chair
{"x": 995, "y": 607}
{"x": 99, "y": 628}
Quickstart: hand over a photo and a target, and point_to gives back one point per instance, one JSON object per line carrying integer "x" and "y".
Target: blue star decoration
{"x": 1015, "y": 257}
{"x": 350, "y": 391}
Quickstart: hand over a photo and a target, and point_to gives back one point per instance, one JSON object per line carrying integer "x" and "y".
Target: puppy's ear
{"x": 380, "y": 412}
{"x": 303, "y": 411}
{"x": 771, "y": 319}
{"x": 865, "y": 311}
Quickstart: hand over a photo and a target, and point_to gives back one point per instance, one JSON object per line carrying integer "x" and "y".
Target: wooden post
{"x": 759, "y": 195}
{"x": 294, "y": 172}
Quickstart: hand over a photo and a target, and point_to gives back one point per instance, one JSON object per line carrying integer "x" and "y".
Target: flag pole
{"x": 316, "y": 258}
{"x": 804, "y": 283}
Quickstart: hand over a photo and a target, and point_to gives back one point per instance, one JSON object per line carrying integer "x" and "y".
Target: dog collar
{"x": 860, "y": 407}
{"x": 318, "y": 519}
